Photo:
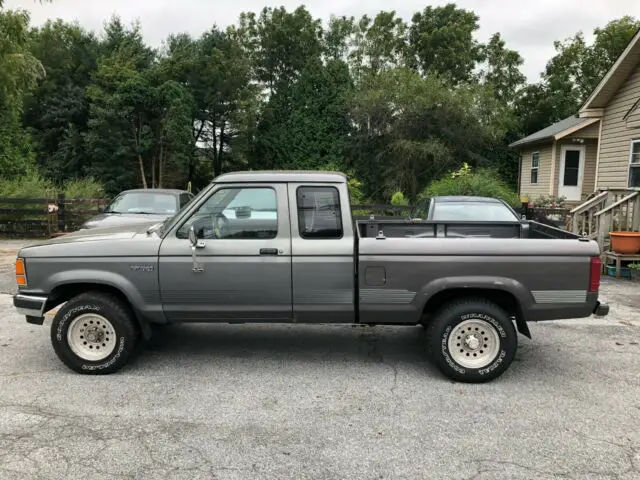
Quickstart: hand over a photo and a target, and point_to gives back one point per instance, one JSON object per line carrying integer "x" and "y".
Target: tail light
{"x": 21, "y": 272}
{"x": 594, "y": 276}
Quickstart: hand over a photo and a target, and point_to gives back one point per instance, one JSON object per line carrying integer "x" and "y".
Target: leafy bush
{"x": 34, "y": 186}
{"x": 399, "y": 199}
{"x": 635, "y": 266}
{"x": 480, "y": 183}
{"x": 84, "y": 188}
{"x": 549, "y": 201}
{"x": 31, "y": 185}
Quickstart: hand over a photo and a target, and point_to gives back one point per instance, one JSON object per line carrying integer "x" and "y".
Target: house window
{"x": 634, "y": 164}
{"x": 535, "y": 164}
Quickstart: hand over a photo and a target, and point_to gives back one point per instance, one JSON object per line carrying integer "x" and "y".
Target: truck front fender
{"x": 144, "y": 311}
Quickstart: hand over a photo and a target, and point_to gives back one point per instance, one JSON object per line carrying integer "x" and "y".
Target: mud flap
{"x": 523, "y": 328}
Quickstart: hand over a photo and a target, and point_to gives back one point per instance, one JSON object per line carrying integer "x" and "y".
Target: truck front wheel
{"x": 472, "y": 340}
{"x": 94, "y": 333}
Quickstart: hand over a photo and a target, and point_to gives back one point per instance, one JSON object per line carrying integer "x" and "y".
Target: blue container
{"x": 625, "y": 272}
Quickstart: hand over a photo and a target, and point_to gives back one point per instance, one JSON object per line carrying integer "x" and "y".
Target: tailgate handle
{"x": 268, "y": 251}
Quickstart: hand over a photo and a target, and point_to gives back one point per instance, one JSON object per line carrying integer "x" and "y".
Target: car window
{"x": 319, "y": 212}
{"x": 239, "y": 213}
{"x": 185, "y": 198}
{"x": 144, "y": 203}
{"x": 473, "y": 212}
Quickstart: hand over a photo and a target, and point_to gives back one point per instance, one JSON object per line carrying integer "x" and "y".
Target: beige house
{"x": 597, "y": 149}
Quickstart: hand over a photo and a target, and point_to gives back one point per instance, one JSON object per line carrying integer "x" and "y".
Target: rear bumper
{"x": 31, "y": 306}
{"x": 601, "y": 309}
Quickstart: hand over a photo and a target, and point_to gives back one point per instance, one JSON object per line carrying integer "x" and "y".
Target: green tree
{"x": 501, "y": 69}
{"x": 19, "y": 73}
{"x": 411, "y": 129}
{"x": 441, "y": 40}
{"x": 280, "y": 44}
{"x": 573, "y": 73}
{"x": 307, "y": 128}
{"x": 139, "y": 122}
{"x": 57, "y": 111}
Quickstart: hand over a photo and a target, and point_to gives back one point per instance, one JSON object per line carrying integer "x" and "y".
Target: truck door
{"x": 322, "y": 246}
{"x": 242, "y": 270}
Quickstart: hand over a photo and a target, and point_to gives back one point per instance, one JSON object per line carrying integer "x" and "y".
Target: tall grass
{"x": 34, "y": 186}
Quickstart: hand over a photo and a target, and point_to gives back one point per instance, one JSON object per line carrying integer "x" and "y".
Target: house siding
{"x": 541, "y": 189}
{"x": 616, "y": 136}
{"x": 589, "y": 176}
{"x": 592, "y": 131}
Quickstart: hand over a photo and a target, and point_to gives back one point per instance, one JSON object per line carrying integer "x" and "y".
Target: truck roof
{"x": 283, "y": 176}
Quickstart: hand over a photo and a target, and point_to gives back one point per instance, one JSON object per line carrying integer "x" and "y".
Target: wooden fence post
{"x": 61, "y": 219}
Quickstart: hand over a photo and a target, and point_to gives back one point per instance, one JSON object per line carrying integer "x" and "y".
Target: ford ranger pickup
{"x": 282, "y": 247}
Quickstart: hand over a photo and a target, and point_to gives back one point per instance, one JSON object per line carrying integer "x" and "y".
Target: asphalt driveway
{"x": 325, "y": 402}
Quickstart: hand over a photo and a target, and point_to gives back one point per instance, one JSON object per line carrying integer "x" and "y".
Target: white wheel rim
{"x": 474, "y": 343}
{"x": 91, "y": 337}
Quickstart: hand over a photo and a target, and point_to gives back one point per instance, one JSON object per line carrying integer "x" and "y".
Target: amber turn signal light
{"x": 21, "y": 272}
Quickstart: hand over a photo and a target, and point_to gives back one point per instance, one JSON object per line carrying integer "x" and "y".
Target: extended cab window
{"x": 319, "y": 212}
{"x": 236, "y": 213}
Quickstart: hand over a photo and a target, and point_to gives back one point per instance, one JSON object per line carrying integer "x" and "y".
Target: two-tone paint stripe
{"x": 559, "y": 296}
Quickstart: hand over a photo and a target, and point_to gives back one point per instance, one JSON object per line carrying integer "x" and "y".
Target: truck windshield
{"x": 473, "y": 212}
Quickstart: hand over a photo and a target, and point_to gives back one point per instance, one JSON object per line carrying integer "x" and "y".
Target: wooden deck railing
{"x": 607, "y": 211}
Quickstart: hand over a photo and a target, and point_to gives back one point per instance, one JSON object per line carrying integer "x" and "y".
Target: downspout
{"x": 553, "y": 168}
{"x": 595, "y": 186}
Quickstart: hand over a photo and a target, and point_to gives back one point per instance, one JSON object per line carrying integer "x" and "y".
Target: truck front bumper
{"x": 31, "y": 306}
{"x": 601, "y": 309}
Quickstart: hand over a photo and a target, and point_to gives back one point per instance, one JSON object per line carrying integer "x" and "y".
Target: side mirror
{"x": 243, "y": 213}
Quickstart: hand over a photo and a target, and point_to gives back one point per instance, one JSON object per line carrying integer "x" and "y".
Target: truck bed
{"x": 403, "y": 228}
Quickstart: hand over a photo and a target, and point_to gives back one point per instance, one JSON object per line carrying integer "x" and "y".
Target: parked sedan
{"x": 140, "y": 206}
{"x": 470, "y": 209}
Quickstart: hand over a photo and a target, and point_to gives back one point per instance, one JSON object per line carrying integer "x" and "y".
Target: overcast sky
{"x": 529, "y": 27}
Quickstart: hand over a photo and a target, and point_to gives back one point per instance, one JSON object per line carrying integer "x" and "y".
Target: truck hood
{"x": 105, "y": 220}
{"x": 120, "y": 240}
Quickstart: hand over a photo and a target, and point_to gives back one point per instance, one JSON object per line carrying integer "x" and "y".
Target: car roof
{"x": 298, "y": 176}
{"x": 462, "y": 198}
{"x": 173, "y": 191}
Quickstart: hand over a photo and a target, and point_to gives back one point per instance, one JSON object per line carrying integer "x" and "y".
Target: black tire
{"x": 446, "y": 321}
{"x": 112, "y": 309}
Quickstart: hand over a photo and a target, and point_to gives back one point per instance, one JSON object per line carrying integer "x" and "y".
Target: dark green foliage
{"x": 441, "y": 41}
{"x": 395, "y": 104}
{"x": 306, "y": 126}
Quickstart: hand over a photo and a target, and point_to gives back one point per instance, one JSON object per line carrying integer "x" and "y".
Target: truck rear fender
{"x": 506, "y": 292}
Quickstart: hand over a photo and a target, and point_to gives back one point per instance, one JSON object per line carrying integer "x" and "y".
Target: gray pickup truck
{"x": 282, "y": 247}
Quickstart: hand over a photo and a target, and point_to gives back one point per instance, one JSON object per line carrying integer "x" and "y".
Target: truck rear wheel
{"x": 472, "y": 340}
{"x": 94, "y": 333}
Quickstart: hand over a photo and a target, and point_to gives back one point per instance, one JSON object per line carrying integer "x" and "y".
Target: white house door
{"x": 571, "y": 172}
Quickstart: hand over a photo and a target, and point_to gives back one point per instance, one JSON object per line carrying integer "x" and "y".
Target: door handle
{"x": 268, "y": 251}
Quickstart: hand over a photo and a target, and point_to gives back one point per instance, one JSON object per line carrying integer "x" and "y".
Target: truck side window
{"x": 319, "y": 212}
{"x": 238, "y": 213}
